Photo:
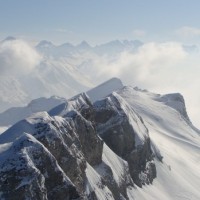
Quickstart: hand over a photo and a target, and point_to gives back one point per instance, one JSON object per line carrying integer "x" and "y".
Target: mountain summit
{"x": 125, "y": 144}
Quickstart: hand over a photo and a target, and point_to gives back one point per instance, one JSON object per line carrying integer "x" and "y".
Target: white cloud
{"x": 150, "y": 59}
{"x": 17, "y": 57}
{"x": 139, "y": 33}
{"x": 188, "y": 32}
{"x": 157, "y": 67}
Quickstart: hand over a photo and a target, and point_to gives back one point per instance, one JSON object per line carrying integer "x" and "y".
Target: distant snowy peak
{"x": 173, "y": 100}
{"x": 15, "y": 114}
{"x": 121, "y": 44}
{"x": 104, "y": 89}
{"x": 9, "y": 38}
{"x": 109, "y": 48}
{"x": 83, "y": 45}
{"x": 45, "y": 44}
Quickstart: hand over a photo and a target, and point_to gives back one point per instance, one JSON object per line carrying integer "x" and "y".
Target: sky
{"x": 100, "y": 21}
{"x": 161, "y": 65}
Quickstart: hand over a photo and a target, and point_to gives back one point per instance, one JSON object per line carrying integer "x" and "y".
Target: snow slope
{"x": 13, "y": 115}
{"x": 178, "y": 177}
{"x": 104, "y": 89}
{"x": 49, "y": 77}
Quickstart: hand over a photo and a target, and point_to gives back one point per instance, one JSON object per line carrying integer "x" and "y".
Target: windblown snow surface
{"x": 178, "y": 176}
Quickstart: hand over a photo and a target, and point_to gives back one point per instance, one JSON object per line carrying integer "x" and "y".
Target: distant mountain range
{"x": 62, "y": 71}
{"x": 66, "y": 49}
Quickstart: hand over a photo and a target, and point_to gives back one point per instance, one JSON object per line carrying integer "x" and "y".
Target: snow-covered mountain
{"x": 104, "y": 89}
{"x": 15, "y": 114}
{"x": 110, "y": 48}
{"x": 50, "y": 77}
{"x": 129, "y": 144}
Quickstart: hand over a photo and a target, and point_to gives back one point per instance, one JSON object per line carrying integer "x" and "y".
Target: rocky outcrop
{"x": 125, "y": 133}
{"x": 80, "y": 113}
{"x": 62, "y": 155}
{"x": 176, "y": 101}
{"x": 31, "y": 172}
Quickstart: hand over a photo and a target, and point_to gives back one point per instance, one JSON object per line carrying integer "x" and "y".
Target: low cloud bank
{"x": 17, "y": 58}
{"x": 158, "y": 67}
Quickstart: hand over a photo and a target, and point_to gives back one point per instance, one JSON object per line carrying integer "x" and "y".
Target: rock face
{"x": 62, "y": 154}
{"x": 125, "y": 133}
{"x": 31, "y": 172}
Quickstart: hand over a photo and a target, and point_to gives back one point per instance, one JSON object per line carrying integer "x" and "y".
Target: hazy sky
{"x": 101, "y": 20}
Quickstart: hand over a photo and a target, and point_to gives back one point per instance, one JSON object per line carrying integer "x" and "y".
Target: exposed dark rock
{"x": 80, "y": 113}
{"x": 31, "y": 172}
{"x": 91, "y": 144}
{"x": 60, "y": 139}
{"x": 51, "y": 160}
{"x": 115, "y": 128}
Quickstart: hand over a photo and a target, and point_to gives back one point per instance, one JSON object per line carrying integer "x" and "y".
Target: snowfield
{"x": 178, "y": 176}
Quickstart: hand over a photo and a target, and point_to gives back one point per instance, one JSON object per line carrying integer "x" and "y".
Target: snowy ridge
{"x": 13, "y": 115}
{"x": 104, "y": 89}
{"x": 175, "y": 101}
{"x": 111, "y": 48}
{"x": 131, "y": 144}
{"x": 74, "y": 104}
{"x": 178, "y": 143}
{"x": 122, "y": 108}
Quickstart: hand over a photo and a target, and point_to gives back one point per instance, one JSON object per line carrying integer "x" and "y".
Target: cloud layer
{"x": 157, "y": 67}
{"x": 17, "y": 57}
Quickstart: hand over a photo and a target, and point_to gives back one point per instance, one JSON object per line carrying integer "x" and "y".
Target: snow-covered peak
{"x": 76, "y": 103}
{"x": 176, "y": 101}
{"x": 122, "y": 110}
{"x": 15, "y": 114}
{"x": 9, "y": 38}
{"x": 132, "y": 43}
{"x": 67, "y": 44}
{"x": 45, "y": 44}
{"x": 83, "y": 46}
{"x": 114, "y": 43}
{"x": 105, "y": 89}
